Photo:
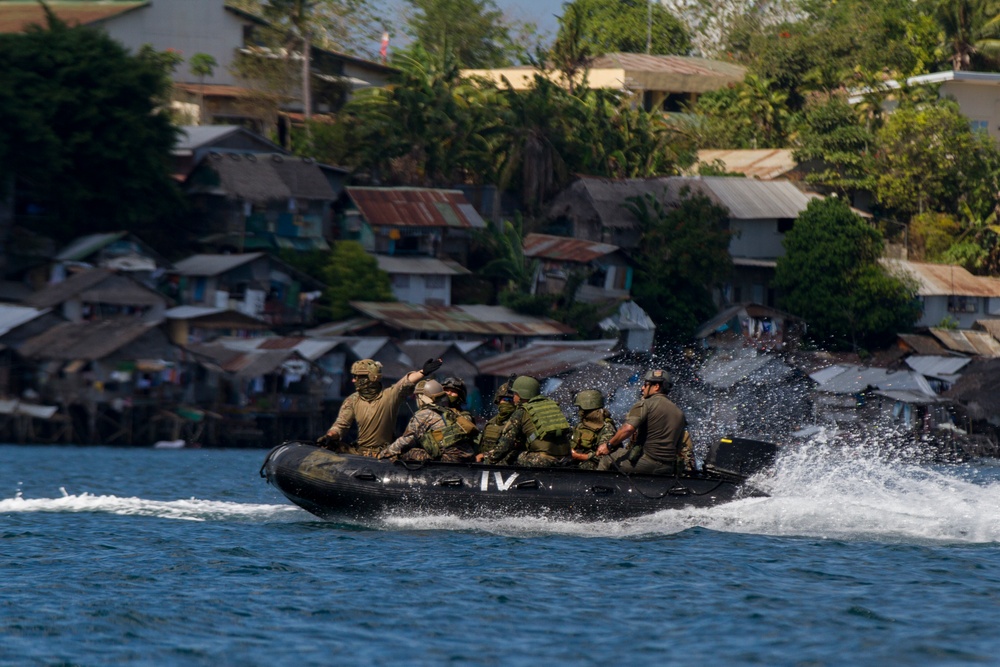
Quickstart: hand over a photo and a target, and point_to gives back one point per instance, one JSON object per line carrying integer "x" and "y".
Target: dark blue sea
{"x": 187, "y": 557}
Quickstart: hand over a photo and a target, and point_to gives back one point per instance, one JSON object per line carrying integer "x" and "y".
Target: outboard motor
{"x": 739, "y": 458}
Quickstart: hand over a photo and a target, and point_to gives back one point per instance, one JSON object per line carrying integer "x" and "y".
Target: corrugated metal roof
{"x": 263, "y": 177}
{"x": 213, "y": 265}
{"x": 911, "y": 397}
{"x": 764, "y": 164}
{"x": 309, "y": 348}
{"x": 17, "y": 16}
{"x": 992, "y": 327}
{"x": 979, "y": 343}
{"x": 544, "y": 359}
{"x": 562, "y": 248}
{"x": 85, "y": 340}
{"x": 841, "y": 379}
{"x": 723, "y": 371}
{"x": 935, "y": 366}
{"x": 193, "y": 137}
{"x": 750, "y": 199}
{"x": 11, "y": 317}
{"x": 944, "y": 279}
{"x": 85, "y": 246}
{"x": 484, "y": 320}
{"x": 686, "y": 65}
{"x": 96, "y": 285}
{"x": 923, "y": 344}
{"x": 425, "y": 266}
{"x": 415, "y": 207}
{"x": 257, "y": 362}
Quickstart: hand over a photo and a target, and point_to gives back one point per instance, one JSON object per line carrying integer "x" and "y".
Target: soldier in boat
{"x": 436, "y": 432}
{"x": 594, "y": 428}
{"x": 372, "y": 407}
{"x": 657, "y": 428}
{"x": 537, "y": 431}
{"x": 504, "y": 400}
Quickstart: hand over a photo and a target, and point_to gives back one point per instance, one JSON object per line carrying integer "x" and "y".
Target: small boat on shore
{"x": 347, "y": 487}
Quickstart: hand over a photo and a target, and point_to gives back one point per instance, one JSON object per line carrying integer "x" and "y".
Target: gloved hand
{"x": 327, "y": 440}
{"x": 386, "y": 453}
{"x": 430, "y": 366}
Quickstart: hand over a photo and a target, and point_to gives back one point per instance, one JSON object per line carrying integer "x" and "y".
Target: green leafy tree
{"x": 834, "y": 135}
{"x": 83, "y": 140}
{"x": 832, "y": 279}
{"x": 351, "y": 274}
{"x": 507, "y": 267}
{"x": 474, "y": 31}
{"x": 929, "y": 159}
{"x": 684, "y": 254}
{"x": 624, "y": 26}
{"x": 202, "y": 65}
{"x": 752, "y": 114}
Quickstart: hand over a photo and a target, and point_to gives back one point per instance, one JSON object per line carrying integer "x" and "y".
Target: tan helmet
{"x": 526, "y": 387}
{"x": 589, "y": 399}
{"x": 369, "y": 367}
{"x": 433, "y": 389}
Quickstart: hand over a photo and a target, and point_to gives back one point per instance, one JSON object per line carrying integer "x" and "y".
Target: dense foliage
{"x": 80, "y": 135}
{"x": 832, "y": 278}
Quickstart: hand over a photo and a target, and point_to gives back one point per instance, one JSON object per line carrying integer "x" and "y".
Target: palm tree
{"x": 971, "y": 29}
{"x": 202, "y": 65}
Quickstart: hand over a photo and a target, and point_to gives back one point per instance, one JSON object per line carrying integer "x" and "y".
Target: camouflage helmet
{"x": 526, "y": 387}
{"x": 503, "y": 391}
{"x": 658, "y": 376}
{"x": 369, "y": 367}
{"x": 456, "y": 385}
{"x": 589, "y": 399}
{"x": 433, "y": 389}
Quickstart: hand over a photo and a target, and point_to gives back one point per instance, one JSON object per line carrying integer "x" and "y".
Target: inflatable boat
{"x": 347, "y": 487}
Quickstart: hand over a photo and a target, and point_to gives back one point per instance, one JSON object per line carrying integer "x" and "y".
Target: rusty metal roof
{"x": 545, "y": 359}
{"x": 565, "y": 249}
{"x": 483, "y": 320}
{"x": 86, "y": 340}
{"x": 415, "y": 207}
{"x": 764, "y": 164}
{"x": 979, "y": 343}
{"x": 96, "y": 285}
{"x": 922, "y": 344}
{"x": 17, "y": 16}
{"x": 944, "y": 279}
{"x": 686, "y": 65}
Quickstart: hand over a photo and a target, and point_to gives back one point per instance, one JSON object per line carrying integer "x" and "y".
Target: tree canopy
{"x": 351, "y": 274}
{"x": 831, "y": 277}
{"x": 81, "y": 137}
{"x": 624, "y": 25}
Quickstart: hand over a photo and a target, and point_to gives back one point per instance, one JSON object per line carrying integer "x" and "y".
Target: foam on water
{"x": 816, "y": 490}
{"x": 191, "y": 509}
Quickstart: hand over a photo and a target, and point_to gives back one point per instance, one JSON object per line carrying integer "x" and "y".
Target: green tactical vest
{"x": 583, "y": 439}
{"x": 552, "y": 431}
{"x": 491, "y": 433}
{"x": 458, "y": 430}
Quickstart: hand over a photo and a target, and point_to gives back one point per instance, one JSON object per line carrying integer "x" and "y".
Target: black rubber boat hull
{"x": 341, "y": 486}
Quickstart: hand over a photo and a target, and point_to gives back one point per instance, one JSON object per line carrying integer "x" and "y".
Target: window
{"x": 962, "y": 304}
{"x": 434, "y": 282}
{"x": 979, "y": 125}
{"x": 785, "y": 225}
{"x": 401, "y": 280}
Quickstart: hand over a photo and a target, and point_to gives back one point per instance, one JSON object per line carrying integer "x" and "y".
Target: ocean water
{"x": 186, "y": 557}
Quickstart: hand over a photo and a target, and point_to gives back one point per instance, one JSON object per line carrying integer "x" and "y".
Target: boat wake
{"x": 191, "y": 509}
{"x": 843, "y": 492}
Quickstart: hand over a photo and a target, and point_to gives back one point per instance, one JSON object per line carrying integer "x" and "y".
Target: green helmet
{"x": 658, "y": 376}
{"x": 526, "y": 387}
{"x": 369, "y": 367}
{"x": 589, "y": 399}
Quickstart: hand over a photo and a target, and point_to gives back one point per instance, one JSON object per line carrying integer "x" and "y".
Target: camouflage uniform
{"x": 586, "y": 438}
{"x": 517, "y": 438}
{"x": 418, "y": 444}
